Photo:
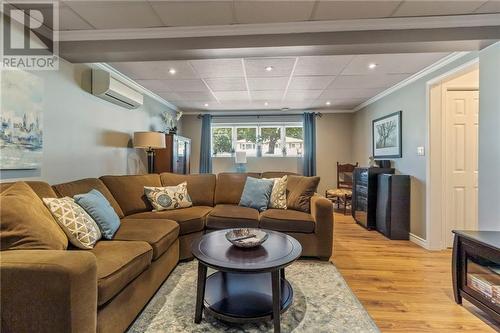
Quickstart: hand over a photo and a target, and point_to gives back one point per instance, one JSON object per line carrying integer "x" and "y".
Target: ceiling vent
{"x": 105, "y": 86}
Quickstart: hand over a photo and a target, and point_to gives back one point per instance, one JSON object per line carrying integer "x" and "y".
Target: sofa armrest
{"x": 322, "y": 212}
{"x": 48, "y": 291}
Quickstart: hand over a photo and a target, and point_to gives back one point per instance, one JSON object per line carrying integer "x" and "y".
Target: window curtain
{"x": 205, "y": 150}
{"x": 309, "y": 168}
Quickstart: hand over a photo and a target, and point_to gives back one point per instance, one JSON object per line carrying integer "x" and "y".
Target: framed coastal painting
{"x": 387, "y": 136}
{"x": 21, "y": 135}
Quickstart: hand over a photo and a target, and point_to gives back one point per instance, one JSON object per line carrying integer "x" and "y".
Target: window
{"x": 222, "y": 141}
{"x": 267, "y": 139}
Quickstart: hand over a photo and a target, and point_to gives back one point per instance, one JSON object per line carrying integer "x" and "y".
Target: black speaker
{"x": 393, "y": 206}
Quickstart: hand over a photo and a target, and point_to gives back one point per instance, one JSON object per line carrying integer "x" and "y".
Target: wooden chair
{"x": 343, "y": 192}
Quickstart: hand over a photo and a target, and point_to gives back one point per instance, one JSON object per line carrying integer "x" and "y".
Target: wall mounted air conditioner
{"x": 105, "y": 86}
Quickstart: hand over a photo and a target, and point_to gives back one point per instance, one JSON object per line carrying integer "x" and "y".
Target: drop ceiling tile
{"x": 345, "y": 10}
{"x": 69, "y": 20}
{"x": 116, "y": 14}
{"x": 310, "y": 82}
{"x": 492, "y": 6}
{"x": 173, "y": 85}
{"x": 232, "y": 96}
{"x": 338, "y": 93}
{"x": 367, "y": 81}
{"x": 213, "y": 68}
{"x": 272, "y": 11}
{"x": 226, "y": 83}
{"x": 267, "y": 95}
{"x": 300, "y": 95}
{"x": 188, "y": 96}
{"x": 429, "y": 8}
{"x": 294, "y": 105}
{"x": 344, "y": 104}
{"x": 268, "y": 83}
{"x": 321, "y": 65}
{"x": 194, "y": 13}
{"x": 391, "y": 63}
{"x": 256, "y": 67}
{"x": 147, "y": 70}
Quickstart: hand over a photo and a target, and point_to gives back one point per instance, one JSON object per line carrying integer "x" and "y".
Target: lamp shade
{"x": 149, "y": 140}
{"x": 240, "y": 157}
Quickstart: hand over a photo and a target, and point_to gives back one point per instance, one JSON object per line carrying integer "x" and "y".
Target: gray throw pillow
{"x": 256, "y": 193}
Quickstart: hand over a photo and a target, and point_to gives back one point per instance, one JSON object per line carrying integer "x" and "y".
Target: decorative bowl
{"x": 246, "y": 237}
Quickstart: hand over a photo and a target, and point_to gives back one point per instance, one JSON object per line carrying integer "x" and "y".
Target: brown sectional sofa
{"x": 105, "y": 288}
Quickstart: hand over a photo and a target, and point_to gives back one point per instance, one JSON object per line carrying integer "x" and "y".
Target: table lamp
{"x": 149, "y": 141}
{"x": 240, "y": 159}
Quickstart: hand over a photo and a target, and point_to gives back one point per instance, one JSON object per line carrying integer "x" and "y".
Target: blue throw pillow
{"x": 99, "y": 208}
{"x": 256, "y": 193}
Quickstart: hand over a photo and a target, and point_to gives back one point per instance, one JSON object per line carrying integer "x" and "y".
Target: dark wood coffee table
{"x": 249, "y": 284}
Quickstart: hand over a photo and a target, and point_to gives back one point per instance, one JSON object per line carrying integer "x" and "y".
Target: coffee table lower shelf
{"x": 239, "y": 298}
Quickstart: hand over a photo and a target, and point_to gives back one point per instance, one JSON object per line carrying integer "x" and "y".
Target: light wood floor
{"x": 404, "y": 287}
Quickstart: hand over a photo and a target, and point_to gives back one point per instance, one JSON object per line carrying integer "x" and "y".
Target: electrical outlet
{"x": 420, "y": 151}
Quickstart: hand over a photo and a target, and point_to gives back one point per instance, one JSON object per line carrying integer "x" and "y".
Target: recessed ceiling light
{"x": 266, "y": 103}
{"x": 269, "y": 68}
{"x": 172, "y": 71}
{"x": 372, "y": 65}
{"x": 328, "y": 103}
{"x": 205, "y": 105}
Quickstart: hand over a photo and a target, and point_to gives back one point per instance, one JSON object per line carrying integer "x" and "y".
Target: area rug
{"x": 322, "y": 303}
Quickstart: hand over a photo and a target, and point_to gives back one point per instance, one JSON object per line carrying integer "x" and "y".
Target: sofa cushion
{"x": 299, "y": 192}
{"x": 287, "y": 221}
{"x": 25, "y": 223}
{"x": 190, "y": 219}
{"x": 81, "y": 229}
{"x": 256, "y": 193}
{"x": 158, "y": 233}
{"x": 42, "y": 189}
{"x": 71, "y": 189}
{"x": 230, "y": 186}
{"x": 99, "y": 208}
{"x": 118, "y": 263}
{"x": 232, "y": 216}
{"x": 129, "y": 191}
{"x": 201, "y": 187}
{"x": 168, "y": 197}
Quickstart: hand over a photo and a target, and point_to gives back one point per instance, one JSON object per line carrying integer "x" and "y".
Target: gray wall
{"x": 85, "y": 136}
{"x": 489, "y": 138}
{"x": 411, "y": 99}
{"x": 333, "y": 143}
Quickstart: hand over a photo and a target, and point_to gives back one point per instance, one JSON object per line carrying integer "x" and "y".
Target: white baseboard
{"x": 419, "y": 241}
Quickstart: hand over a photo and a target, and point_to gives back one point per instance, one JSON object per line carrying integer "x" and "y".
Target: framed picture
{"x": 387, "y": 136}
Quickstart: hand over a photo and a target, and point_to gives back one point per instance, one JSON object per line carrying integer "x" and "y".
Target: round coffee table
{"x": 249, "y": 284}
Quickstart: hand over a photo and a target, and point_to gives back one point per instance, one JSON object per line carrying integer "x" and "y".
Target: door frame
{"x": 435, "y": 167}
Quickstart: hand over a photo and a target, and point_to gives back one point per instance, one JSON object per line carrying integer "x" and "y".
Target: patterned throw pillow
{"x": 278, "y": 195}
{"x": 80, "y": 228}
{"x": 169, "y": 197}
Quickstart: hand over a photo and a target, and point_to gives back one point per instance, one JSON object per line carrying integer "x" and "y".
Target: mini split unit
{"x": 105, "y": 86}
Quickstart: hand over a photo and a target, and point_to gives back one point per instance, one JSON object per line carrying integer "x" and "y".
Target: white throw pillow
{"x": 168, "y": 197}
{"x": 80, "y": 228}
{"x": 278, "y": 194}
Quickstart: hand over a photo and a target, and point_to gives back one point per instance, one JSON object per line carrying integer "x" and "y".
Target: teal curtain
{"x": 206, "y": 144}
{"x": 309, "y": 144}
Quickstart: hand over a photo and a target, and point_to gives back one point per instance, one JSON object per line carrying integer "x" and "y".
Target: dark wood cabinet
{"x": 175, "y": 157}
{"x": 393, "y": 206}
{"x": 476, "y": 270}
{"x": 364, "y": 195}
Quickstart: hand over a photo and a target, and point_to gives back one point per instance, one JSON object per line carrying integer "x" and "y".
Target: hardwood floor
{"x": 404, "y": 287}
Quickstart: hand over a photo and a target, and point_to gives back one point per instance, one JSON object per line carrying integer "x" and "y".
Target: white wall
{"x": 85, "y": 136}
{"x": 489, "y": 138}
{"x": 333, "y": 143}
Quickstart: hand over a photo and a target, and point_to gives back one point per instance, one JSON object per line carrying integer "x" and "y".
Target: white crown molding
{"x": 432, "y": 68}
{"x": 122, "y": 77}
{"x": 390, "y": 23}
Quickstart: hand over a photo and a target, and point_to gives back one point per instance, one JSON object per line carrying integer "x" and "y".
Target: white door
{"x": 461, "y": 162}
